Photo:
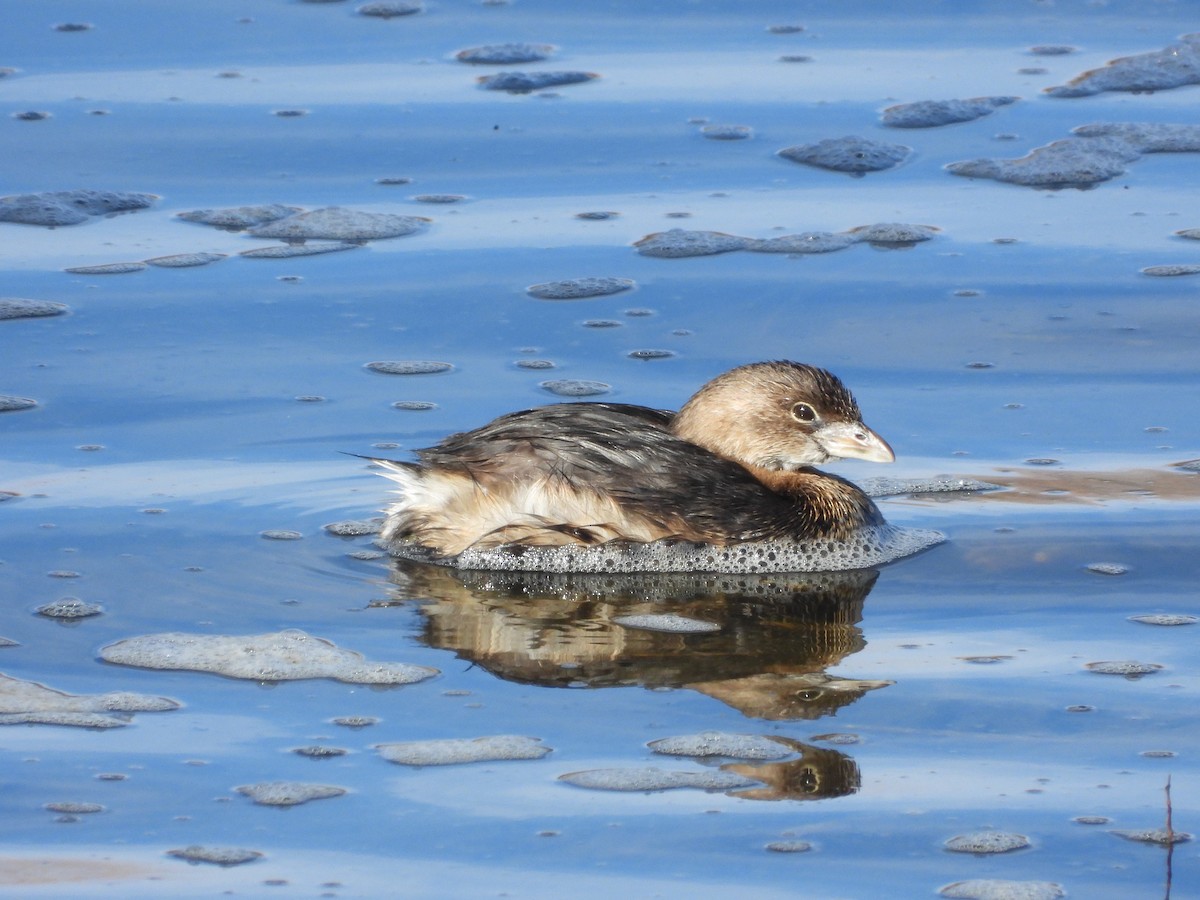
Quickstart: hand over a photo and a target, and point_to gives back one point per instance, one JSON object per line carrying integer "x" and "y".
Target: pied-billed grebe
{"x": 733, "y": 466}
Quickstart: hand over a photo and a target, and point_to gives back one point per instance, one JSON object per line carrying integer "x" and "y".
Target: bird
{"x": 735, "y": 464}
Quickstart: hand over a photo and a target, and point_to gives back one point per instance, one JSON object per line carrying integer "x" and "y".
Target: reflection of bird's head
{"x": 779, "y": 416}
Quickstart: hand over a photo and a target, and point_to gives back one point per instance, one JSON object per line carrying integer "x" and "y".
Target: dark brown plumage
{"x": 733, "y": 465}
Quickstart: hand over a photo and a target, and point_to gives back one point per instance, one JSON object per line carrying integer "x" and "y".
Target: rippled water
{"x": 184, "y": 412}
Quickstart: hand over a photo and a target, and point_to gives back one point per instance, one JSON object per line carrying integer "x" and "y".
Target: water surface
{"x": 183, "y": 412}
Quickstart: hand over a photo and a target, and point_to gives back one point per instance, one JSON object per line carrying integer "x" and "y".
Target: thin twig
{"x": 1170, "y": 837}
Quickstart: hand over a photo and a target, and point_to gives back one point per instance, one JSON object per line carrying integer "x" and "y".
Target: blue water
{"x": 187, "y": 380}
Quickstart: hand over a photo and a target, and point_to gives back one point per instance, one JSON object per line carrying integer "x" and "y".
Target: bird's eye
{"x": 802, "y": 412}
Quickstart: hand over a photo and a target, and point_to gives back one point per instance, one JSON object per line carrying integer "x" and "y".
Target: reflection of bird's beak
{"x": 854, "y": 440}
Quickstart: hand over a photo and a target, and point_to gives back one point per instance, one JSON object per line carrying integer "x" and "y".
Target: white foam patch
{"x": 1155, "y": 836}
{"x": 932, "y": 113}
{"x": 238, "y": 218}
{"x": 727, "y": 132}
{"x": 54, "y": 208}
{"x": 12, "y": 404}
{"x": 874, "y": 546}
{"x": 277, "y": 656}
{"x": 1171, "y": 67}
{"x": 679, "y": 242}
{"x": 287, "y": 251}
{"x": 851, "y": 154}
{"x": 505, "y": 54}
{"x": 217, "y": 856}
{"x": 667, "y": 622}
{"x": 390, "y": 10}
{"x": 574, "y": 387}
{"x": 722, "y": 744}
{"x": 579, "y": 288}
{"x": 288, "y": 793}
{"x": 1130, "y": 668}
{"x": 651, "y": 779}
{"x": 987, "y": 842}
{"x": 525, "y": 82}
{"x": 185, "y": 260}
{"x": 893, "y": 233}
{"x": 895, "y": 487}
{"x": 455, "y": 751}
{"x": 121, "y": 268}
{"x": 20, "y": 308}
{"x": 1003, "y": 889}
{"x": 30, "y": 703}
{"x": 1097, "y": 152}
{"x": 804, "y": 242}
{"x": 1170, "y": 271}
{"x": 1166, "y": 619}
{"x": 335, "y": 223}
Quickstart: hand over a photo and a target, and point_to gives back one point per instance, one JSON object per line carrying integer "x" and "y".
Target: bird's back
{"x": 578, "y": 473}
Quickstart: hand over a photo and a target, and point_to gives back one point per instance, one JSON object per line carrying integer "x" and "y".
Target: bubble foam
{"x": 987, "y": 842}
{"x": 30, "y": 703}
{"x": 217, "y": 856}
{"x": 722, "y": 744}
{"x": 288, "y": 793}
{"x": 652, "y": 779}
{"x": 409, "y": 367}
{"x": 505, "y": 54}
{"x": 893, "y": 233}
{"x": 239, "y": 218}
{"x": 278, "y": 656}
{"x": 1065, "y": 163}
{"x": 1129, "y": 668}
{"x": 526, "y": 82}
{"x": 121, "y": 268}
{"x": 1155, "y": 836}
{"x": 13, "y": 404}
{"x": 69, "y": 207}
{"x": 287, "y": 251}
{"x": 1165, "y": 619}
{"x": 932, "y": 113}
{"x": 580, "y": 288}
{"x": 335, "y": 223}
{"x": 21, "y": 308}
{"x": 884, "y": 486}
{"x": 727, "y": 132}
{"x": 667, "y": 622}
{"x": 853, "y": 155}
{"x": 184, "y": 260}
{"x": 390, "y": 9}
{"x": 1097, "y": 152}
{"x": 1158, "y": 70}
{"x": 1002, "y": 889}
{"x": 679, "y": 242}
{"x": 804, "y": 242}
{"x": 574, "y": 387}
{"x": 455, "y": 751}
{"x": 1172, "y": 271}
{"x": 69, "y": 608}
{"x": 866, "y": 548}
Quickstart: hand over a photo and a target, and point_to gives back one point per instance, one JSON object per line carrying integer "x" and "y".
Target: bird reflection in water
{"x": 818, "y": 774}
{"x": 778, "y": 633}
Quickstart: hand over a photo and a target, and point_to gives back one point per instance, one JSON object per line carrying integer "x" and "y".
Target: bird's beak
{"x": 854, "y": 440}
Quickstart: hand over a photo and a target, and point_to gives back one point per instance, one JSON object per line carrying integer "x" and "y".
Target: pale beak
{"x": 854, "y": 440}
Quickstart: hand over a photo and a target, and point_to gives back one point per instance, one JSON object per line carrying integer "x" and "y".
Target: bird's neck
{"x": 826, "y": 505}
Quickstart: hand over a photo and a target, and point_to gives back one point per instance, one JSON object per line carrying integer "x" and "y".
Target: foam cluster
{"x": 280, "y": 656}
{"x": 871, "y": 546}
